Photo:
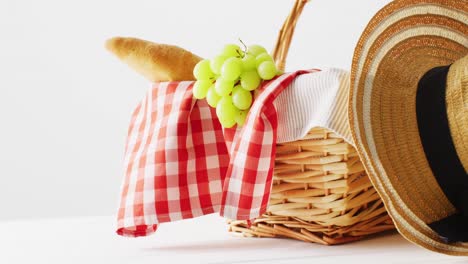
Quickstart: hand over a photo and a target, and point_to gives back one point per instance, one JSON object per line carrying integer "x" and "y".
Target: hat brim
{"x": 401, "y": 43}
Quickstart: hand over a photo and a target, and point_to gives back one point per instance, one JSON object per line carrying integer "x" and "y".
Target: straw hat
{"x": 409, "y": 117}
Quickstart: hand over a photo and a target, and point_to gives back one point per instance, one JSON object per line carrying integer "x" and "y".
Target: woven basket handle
{"x": 286, "y": 33}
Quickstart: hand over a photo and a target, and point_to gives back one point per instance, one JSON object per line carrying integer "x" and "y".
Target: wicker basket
{"x": 321, "y": 192}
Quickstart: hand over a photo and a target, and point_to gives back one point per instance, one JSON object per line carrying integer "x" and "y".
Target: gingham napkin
{"x": 180, "y": 163}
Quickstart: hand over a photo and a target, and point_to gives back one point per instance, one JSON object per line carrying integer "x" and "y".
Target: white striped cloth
{"x": 311, "y": 100}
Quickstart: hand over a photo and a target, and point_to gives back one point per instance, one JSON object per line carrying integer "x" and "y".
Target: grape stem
{"x": 245, "y": 48}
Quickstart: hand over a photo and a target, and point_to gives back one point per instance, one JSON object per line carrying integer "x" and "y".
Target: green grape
{"x": 216, "y": 64}
{"x": 223, "y": 87}
{"x": 263, "y": 57}
{"x": 202, "y": 70}
{"x": 232, "y": 68}
{"x": 255, "y": 50}
{"x": 250, "y": 80}
{"x": 241, "y": 98}
{"x": 232, "y": 50}
{"x": 226, "y": 112}
{"x": 200, "y": 88}
{"x": 227, "y": 123}
{"x": 212, "y": 97}
{"x": 267, "y": 70}
{"x": 241, "y": 117}
{"x": 249, "y": 63}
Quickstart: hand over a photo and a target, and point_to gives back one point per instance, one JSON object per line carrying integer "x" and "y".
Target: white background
{"x": 65, "y": 102}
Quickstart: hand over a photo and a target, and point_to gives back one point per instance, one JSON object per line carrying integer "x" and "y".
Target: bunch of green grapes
{"x": 228, "y": 81}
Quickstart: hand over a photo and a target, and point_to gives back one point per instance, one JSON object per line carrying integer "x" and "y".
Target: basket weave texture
{"x": 321, "y": 192}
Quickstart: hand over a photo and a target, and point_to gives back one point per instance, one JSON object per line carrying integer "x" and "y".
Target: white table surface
{"x": 200, "y": 240}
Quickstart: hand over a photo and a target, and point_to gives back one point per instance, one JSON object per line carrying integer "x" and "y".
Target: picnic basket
{"x": 321, "y": 192}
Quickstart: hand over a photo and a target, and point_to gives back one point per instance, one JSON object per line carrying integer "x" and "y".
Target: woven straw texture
{"x": 321, "y": 192}
{"x": 404, "y": 41}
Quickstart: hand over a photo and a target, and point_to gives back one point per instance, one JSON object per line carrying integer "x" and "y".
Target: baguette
{"x": 156, "y": 62}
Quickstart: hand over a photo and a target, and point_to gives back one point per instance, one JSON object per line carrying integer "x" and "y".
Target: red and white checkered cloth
{"x": 180, "y": 163}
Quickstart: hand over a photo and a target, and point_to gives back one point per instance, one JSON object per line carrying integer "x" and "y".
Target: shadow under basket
{"x": 321, "y": 193}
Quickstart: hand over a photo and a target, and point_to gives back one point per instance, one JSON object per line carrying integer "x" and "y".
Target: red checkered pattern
{"x": 180, "y": 163}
